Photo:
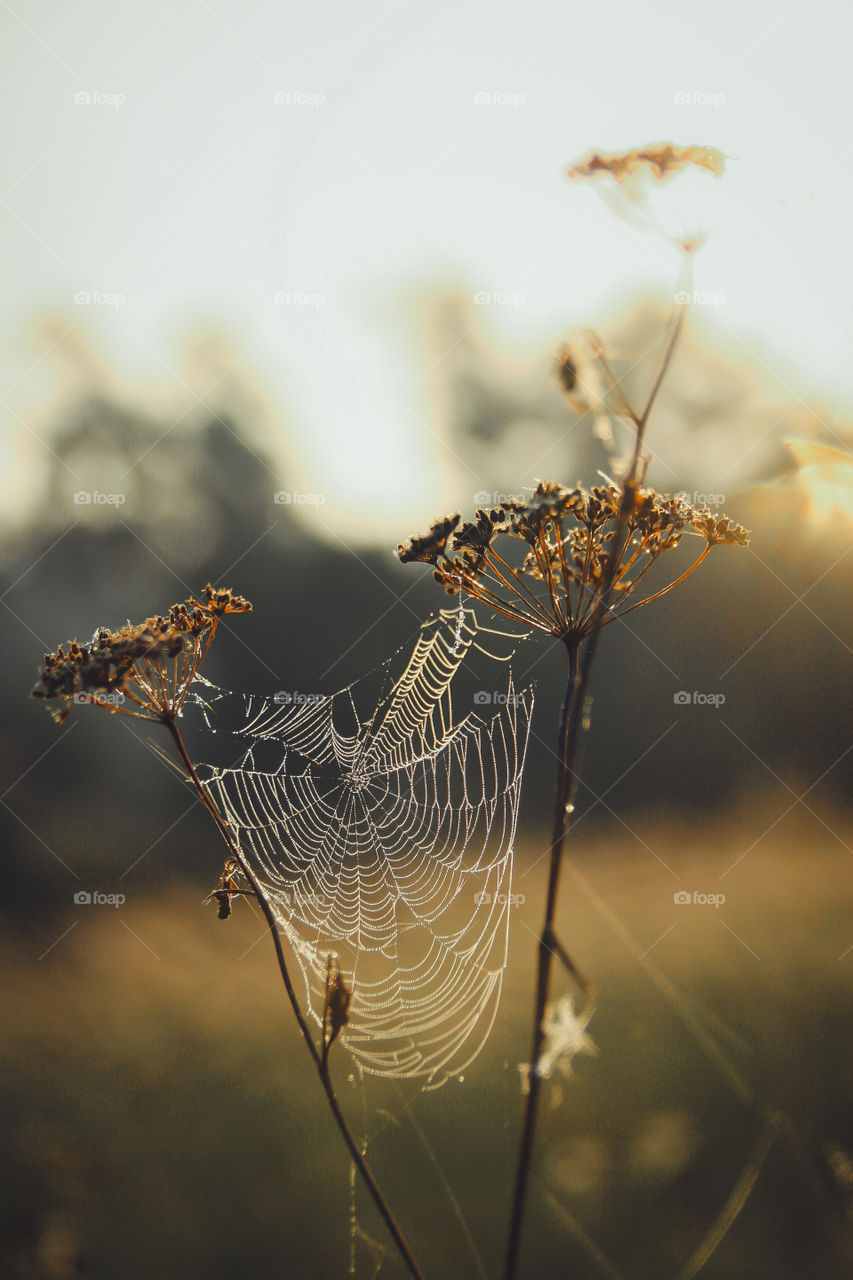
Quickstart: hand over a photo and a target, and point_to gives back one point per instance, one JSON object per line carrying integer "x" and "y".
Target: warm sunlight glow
{"x": 825, "y": 475}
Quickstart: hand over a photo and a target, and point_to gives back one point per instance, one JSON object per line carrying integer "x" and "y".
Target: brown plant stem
{"x": 320, "y": 1061}
{"x": 571, "y": 720}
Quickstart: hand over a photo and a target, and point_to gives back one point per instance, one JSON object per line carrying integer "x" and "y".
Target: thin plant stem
{"x": 320, "y": 1061}
{"x": 567, "y": 740}
{"x": 571, "y": 720}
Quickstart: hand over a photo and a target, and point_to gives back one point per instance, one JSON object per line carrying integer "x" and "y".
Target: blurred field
{"x": 159, "y": 1115}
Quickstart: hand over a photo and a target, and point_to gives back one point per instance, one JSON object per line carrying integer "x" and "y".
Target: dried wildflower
{"x": 144, "y": 669}
{"x": 567, "y": 370}
{"x": 336, "y": 1006}
{"x": 569, "y": 533}
{"x": 430, "y": 545}
{"x": 661, "y": 160}
{"x": 229, "y": 887}
{"x": 220, "y": 600}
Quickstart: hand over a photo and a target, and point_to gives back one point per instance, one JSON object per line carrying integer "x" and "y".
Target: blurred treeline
{"x": 199, "y": 504}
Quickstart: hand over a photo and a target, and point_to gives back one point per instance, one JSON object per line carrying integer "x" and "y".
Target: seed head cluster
{"x": 567, "y": 567}
{"x": 144, "y": 669}
{"x": 661, "y": 160}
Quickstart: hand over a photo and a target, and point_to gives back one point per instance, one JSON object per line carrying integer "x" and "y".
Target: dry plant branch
{"x": 151, "y": 666}
{"x": 588, "y": 555}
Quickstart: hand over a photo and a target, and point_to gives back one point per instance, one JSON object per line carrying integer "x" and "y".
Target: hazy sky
{"x": 184, "y": 163}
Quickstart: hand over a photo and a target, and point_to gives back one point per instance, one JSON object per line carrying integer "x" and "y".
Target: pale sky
{"x": 228, "y": 151}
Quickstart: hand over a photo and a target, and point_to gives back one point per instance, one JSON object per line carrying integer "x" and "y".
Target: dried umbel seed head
{"x": 143, "y": 669}
{"x": 660, "y": 159}
{"x": 428, "y": 547}
{"x": 627, "y": 181}
{"x": 219, "y": 600}
{"x": 719, "y": 529}
{"x": 564, "y": 582}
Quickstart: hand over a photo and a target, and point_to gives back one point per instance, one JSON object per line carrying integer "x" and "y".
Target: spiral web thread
{"x": 388, "y": 842}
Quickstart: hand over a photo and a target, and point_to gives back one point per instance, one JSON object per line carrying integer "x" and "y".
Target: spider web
{"x": 387, "y": 841}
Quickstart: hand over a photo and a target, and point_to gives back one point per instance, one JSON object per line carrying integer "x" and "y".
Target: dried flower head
{"x": 661, "y": 160}
{"x": 336, "y": 1005}
{"x": 626, "y": 180}
{"x": 431, "y": 544}
{"x": 569, "y": 534}
{"x": 144, "y": 669}
{"x": 229, "y": 887}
